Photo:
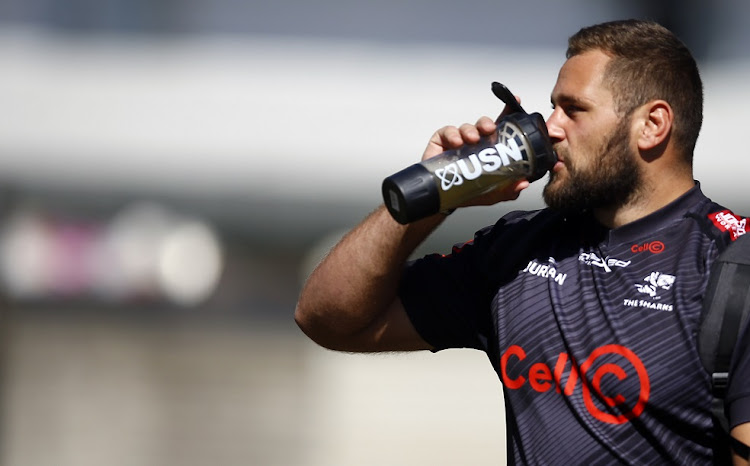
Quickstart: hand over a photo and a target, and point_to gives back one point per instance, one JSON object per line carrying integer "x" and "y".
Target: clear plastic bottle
{"x": 519, "y": 149}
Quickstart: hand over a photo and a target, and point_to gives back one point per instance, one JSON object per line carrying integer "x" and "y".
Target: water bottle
{"x": 519, "y": 149}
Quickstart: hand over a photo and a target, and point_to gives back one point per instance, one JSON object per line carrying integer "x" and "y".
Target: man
{"x": 587, "y": 309}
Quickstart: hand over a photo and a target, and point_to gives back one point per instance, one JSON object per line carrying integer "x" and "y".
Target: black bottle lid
{"x": 411, "y": 194}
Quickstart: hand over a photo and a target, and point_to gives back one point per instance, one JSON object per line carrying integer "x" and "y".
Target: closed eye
{"x": 569, "y": 109}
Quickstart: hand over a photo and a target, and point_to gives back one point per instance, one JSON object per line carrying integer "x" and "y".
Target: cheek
{"x": 586, "y": 151}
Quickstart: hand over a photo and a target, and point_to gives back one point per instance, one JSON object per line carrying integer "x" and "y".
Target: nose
{"x": 554, "y": 129}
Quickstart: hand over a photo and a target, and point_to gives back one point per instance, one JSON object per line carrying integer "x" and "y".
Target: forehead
{"x": 581, "y": 80}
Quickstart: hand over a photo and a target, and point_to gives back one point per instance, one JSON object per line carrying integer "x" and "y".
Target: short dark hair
{"x": 648, "y": 62}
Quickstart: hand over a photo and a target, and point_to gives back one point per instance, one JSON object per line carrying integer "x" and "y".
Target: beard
{"x": 611, "y": 180}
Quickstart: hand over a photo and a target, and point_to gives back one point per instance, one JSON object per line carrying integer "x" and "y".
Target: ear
{"x": 656, "y": 118}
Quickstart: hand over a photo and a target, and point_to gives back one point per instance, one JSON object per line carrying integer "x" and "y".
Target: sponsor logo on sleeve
{"x": 727, "y": 221}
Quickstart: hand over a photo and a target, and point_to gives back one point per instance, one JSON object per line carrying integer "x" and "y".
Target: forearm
{"x": 348, "y": 294}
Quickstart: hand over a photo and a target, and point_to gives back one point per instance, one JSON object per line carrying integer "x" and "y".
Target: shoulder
{"x": 720, "y": 224}
{"x": 523, "y": 222}
{"x": 511, "y": 228}
{"x": 502, "y": 248}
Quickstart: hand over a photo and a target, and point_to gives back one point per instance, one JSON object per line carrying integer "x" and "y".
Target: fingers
{"x": 471, "y": 134}
{"x": 452, "y": 137}
{"x": 444, "y": 139}
{"x": 486, "y": 126}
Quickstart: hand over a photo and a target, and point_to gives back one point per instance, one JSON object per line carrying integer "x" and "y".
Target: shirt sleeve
{"x": 449, "y": 297}
{"x": 445, "y": 299}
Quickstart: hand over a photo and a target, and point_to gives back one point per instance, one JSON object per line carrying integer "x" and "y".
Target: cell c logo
{"x": 654, "y": 247}
{"x": 620, "y": 374}
{"x": 612, "y": 409}
{"x": 449, "y": 177}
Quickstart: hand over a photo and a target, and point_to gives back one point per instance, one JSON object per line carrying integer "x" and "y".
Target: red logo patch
{"x": 727, "y": 221}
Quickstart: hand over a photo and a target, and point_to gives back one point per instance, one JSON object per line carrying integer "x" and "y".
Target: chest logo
{"x": 654, "y": 247}
{"x": 655, "y": 282}
{"x": 606, "y": 263}
{"x": 548, "y": 271}
{"x": 614, "y": 382}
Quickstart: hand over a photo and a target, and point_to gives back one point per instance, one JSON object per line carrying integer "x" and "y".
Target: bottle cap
{"x": 416, "y": 184}
{"x": 542, "y": 156}
{"x": 534, "y": 129}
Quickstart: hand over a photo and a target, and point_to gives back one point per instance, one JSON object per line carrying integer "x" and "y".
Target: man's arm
{"x": 350, "y": 302}
{"x": 741, "y": 433}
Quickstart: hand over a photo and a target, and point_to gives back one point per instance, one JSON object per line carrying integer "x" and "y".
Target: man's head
{"x": 648, "y": 62}
{"x": 628, "y": 90}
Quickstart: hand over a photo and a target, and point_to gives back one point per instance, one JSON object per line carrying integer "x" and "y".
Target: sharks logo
{"x": 654, "y": 282}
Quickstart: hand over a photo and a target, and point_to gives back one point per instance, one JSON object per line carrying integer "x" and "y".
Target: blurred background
{"x": 171, "y": 171}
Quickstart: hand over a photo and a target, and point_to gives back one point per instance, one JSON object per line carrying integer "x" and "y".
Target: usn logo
{"x": 486, "y": 160}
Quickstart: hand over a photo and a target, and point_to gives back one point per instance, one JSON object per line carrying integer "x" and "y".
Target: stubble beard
{"x": 611, "y": 180}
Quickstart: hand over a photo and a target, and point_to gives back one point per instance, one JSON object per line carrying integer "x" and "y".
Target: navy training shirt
{"x": 591, "y": 331}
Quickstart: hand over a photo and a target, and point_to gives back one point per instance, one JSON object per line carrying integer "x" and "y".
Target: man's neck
{"x": 644, "y": 201}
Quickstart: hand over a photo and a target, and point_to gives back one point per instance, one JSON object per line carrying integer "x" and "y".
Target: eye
{"x": 571, "y": 110}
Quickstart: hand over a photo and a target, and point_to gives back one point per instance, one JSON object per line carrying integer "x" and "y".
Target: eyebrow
{"x": 568, "y": 99}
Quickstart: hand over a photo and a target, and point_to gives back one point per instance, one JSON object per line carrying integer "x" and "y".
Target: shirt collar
{"x": 671, "y": 213}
